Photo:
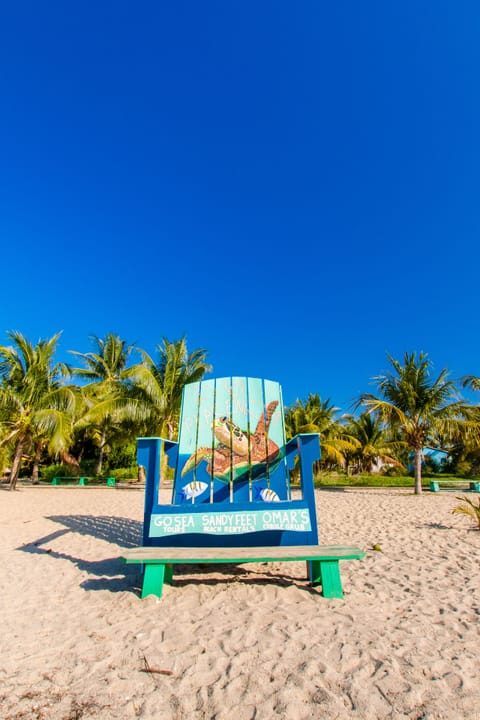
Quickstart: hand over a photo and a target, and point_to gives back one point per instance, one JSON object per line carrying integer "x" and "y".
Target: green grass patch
{"x": 338, "y": 480}
{"x": 364, "y": 481}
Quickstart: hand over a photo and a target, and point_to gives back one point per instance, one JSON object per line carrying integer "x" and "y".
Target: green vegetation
{"x": 48, "y": 472}
{"x": 104, "y": 399}
{"x": 418, "y": 408}
{"x": 368, "y": 480}
{"x": 87, "y": 427}
{"x": 35, "y": 409}
{"x": 469, "y": 508}
{"x": 83, "y": 420}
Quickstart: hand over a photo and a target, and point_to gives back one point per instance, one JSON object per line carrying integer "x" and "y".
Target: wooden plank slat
{"x": 241, "y": 555}
{"x": 276, "y": 475}
{"x": 241, "y": 465}
{"x": 204, "y": 441}
{"x": 187, "y": 443}
{"x": 222, "y": 479}
{"x": 256, "y": 411}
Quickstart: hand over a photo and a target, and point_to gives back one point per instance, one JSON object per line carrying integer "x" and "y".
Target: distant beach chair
{"x": 232, "y": 498}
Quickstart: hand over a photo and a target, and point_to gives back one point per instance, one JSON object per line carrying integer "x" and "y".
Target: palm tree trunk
{"x": 102, "y": 451}
{"x": 36, "y": 463}
{"x": 17, "y": 459}
{"x": 170, "y": 429}
{"x": 417, "y": 468}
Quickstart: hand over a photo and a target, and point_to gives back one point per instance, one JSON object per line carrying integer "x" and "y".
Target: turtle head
{"x": 230, "y": 435}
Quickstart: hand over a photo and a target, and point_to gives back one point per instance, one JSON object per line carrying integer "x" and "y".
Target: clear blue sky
{"x": 294, "y": 186}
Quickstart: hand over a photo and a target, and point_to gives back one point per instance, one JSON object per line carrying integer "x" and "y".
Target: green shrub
{"x": 48, "y": 472}
{"x": 122, "y": 456}
{"x": 393, "y": 471}
{"x": 124, "y": 473}
{"x": 89, "y": 467}
{"x": 463, "y": 467}
{"x": 4, "y": 460}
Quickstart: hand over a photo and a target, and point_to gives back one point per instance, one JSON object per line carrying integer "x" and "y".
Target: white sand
{"x": 242, "y": 642}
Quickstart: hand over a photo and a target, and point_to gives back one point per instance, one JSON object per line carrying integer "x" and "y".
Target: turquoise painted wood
{"x": 232, "y": 471}
{"x": 438, "y": 485}
{"x": 242, "y": 488}
{"x": 84, "y": 481}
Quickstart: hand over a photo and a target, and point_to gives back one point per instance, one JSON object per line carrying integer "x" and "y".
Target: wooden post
{"x": 327, "y": 574}
{"x": 153, "y": 578}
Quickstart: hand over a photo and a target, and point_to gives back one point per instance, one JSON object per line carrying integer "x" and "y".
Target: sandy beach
{"x": 244, "y": 642}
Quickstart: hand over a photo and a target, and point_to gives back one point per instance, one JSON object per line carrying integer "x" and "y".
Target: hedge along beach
{"x": 251, "y": 641}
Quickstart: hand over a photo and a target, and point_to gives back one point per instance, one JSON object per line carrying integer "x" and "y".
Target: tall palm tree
{"x": 105, "y": 394}
{"x": 35, "y": 408}
{"x": 309, "y": 415}
{"x": 317, "y": 415}
{"x": 158, "y": 385}
{"x": 417, "y": 406}
{"x": 107, "y": 364}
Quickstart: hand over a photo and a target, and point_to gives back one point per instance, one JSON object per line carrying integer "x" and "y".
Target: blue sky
{"x": 294, "y": 186}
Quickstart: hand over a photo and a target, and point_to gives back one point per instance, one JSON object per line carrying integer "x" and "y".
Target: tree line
{"x": 91, "y": 409}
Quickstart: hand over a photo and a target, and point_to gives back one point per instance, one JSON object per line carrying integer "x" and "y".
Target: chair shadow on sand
{"x": 114, "y": 575}
{"x": 120, "y": 531}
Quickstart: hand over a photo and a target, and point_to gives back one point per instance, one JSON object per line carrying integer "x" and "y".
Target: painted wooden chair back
{"x": 232, "y": 471}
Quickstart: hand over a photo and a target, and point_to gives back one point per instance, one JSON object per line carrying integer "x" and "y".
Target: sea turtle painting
{"x": 237, "y": 449}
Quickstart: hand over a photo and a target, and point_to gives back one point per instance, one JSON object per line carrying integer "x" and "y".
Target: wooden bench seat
{"x": 325, "y": 571}
{"x": 84, "y": 481}
{"x": 438, "y": 485}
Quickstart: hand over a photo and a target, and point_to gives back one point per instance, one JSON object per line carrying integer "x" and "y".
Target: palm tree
{"x": 467, "y": 507}
{"x": 466, "y": 456}
{"x": 35, "y": 409}
{"x": 373, "y": 442}
{"x": 157, "y": 388}
{"x": 158, "y": 385}
{"x": 472, "y": 382}
{"x": 105, "y": 395}
{"x": 418, "y": 406}
{"x": 317, "y": 415}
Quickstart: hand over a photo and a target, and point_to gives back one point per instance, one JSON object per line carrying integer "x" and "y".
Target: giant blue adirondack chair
{"x": 232, "y": 471}
{"x": 231, "y": 499}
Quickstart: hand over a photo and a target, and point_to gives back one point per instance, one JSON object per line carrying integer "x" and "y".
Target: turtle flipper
{"x": 264, "y": 422}
{"x": 202, "y": 453}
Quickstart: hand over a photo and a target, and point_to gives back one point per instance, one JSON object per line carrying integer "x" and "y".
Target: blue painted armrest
{"x": 149, "y": 454}
{"x": 149, "y": 451}
{"x": 307, "y": 447}
{"x": 171, "y": 451}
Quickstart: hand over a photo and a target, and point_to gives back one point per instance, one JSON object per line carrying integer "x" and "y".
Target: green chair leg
{"x": 153, "y": 578}
{"x": 314, "y": 572}
{"x": 327, "y": 574}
